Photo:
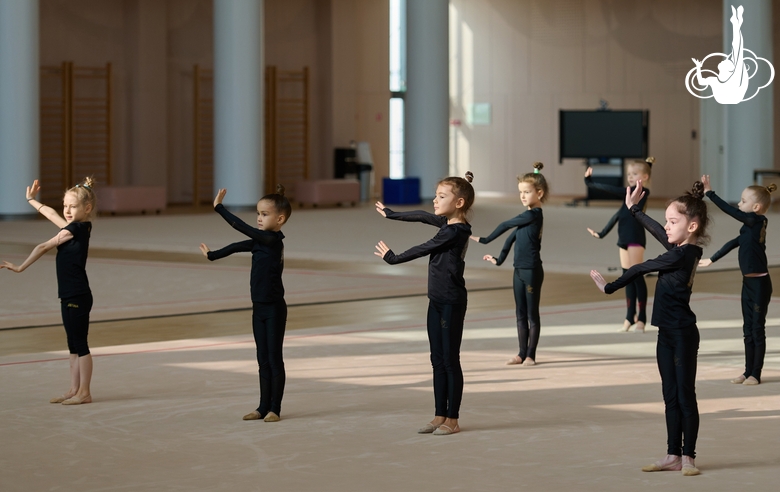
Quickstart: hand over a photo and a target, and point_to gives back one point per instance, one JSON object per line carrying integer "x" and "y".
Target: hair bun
{"x": 697, "y": 191}
{"x": 538, "y": 166}
{"x": 89, "y": 182}
{"x": 280, "y": 190}
{"x": 650, "y": 161}
{"x": 469, "y": 176}
{"x": 771, "y": 188}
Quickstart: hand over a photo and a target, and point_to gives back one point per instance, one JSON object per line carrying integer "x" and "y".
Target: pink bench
{"x": 327, "y": 192}
{"x": 134, "y": 199}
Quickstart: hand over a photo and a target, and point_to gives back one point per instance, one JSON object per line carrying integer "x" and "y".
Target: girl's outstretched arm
{"x": 440, "y": 240}
{"x": 239, "y": 247}
{"x": 726, "y": 249}
{"x": 633, "y": 201}
{"x": 671, "y": 260}
{"x": 416, "y": 216}
{"x": 45, "y": 210}
{"x": 505, "y": 249}
{"x": 611, "y": 189}
{"x": 263, "y": 237}
{"x": 521, "y": 220}
{"x": 607, "y": 228}
{"x": 39, "y": 251}
{"x": 747, "y": 218}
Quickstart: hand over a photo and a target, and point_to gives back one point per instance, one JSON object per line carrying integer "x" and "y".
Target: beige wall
{"x": 531, "y": 58}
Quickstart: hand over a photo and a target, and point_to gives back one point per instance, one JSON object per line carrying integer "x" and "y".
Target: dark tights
{"x": 636, "y": 295}
{"x": 676, "y": 352}
{"x": 756, "y": 294}
{"x": 268, "y": 323}
{"x": 527, "y": 284}
{"x": 445, "y": 332}
{"x": 75, "y": 318}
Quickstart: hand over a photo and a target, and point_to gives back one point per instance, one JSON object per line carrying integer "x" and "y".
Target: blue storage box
{"x": 405, "y": 191}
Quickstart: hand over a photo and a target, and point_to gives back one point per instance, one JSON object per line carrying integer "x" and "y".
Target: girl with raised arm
{"x": 678, "y": 336}
{"x": 72, "y": 243}
{"x": 446, "y": 291}
{"x": 269, "y": 310}
{"x": 529, "y": 274}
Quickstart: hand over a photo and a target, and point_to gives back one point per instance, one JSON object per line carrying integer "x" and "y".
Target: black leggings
{"x": 527, "y": 283}
{"x": 269, "y": 320}
{"x": 445, "y": 332}
{"x": 756, "y": 293}
{"x": 676, "y": 352}
{"x": 75, "y": 318}
{"x": 636, "y": 296}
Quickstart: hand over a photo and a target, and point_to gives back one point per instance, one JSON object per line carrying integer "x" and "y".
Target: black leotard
{"x": 676, "y": 269}
{"x": 72, "y": 261}
{"x": 447, "y": 250}
{"x": 267, "y": 257}
{"x": 527, "y": 238}
{"x": 629, "y": 230}
{"x": 751, "y": 240}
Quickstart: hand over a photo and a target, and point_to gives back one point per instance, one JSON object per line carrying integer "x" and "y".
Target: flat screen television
{"x": 603, "y": 134}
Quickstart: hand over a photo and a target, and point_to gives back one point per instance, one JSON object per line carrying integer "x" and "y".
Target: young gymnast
{"x": 678, "y": 336}
{"x": 269, "y": 311}
{"x": 446, "y": 291}
{"x": 72, "y": 243}
{"x": 756, "y": 284}
{"x": 631, "y": 239}
{"x": 529, "y": 274}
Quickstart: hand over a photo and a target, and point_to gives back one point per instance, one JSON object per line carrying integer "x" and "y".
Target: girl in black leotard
{"x": 269, "y": 311}
{"x": 529, "y": 274}
{"x": 72, "y": 243}
{"x": 631, "y": 239}
{"x": 446, "y": 291}
{"x": 678, "y": 336}
{"x": 756, "y": 284}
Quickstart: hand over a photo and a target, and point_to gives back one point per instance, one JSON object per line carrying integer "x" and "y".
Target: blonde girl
{"x": 72, "y": 243}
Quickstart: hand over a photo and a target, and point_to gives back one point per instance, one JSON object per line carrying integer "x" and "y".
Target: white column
{"x": 748, "y": 131}
{"x": 238, "y": 100}
{"x": 426, "y": 132}
{"x": 19, "y": 125}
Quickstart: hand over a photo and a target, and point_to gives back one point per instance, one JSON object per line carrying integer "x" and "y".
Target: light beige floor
{"x": 170, "y": 391}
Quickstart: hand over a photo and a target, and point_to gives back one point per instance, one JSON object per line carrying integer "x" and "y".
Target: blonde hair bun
{"x": 650, "y": 161}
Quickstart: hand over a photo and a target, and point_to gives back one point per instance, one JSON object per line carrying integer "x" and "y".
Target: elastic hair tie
{"x": 536, "y": 171}
{"x": 83, "y": 186}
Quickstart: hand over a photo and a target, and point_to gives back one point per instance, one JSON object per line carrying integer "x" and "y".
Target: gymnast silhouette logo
{"x": 730, "y": 84}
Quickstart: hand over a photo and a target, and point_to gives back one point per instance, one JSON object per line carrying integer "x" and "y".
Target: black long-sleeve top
{"x": 527, "y": 238}
{"x": 676, "y": 269}
{"x": 267, "y": 251}
{"x": 751, "y": 240}
{"x": 72, "y": 261}
{"x": 629, "y": 230}
{"x": 447, "y": 252}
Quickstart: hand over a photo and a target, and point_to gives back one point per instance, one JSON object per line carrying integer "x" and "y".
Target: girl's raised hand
{"x": 204, "y": 249}
{"x": 220, "y": 196}
{"x": 474, "y": 238}
{"x": 633, "y": 198}
{"x": 589, "y": 172}
{"x": 380, "y": 207}
{"x": 705, "y": 262}
{"x": 10, "y": 266}
{"x": 32, "y": 191}
{"x": 600, "y": 282}
{"x": 381, "y": 249}
{"x": 490, "y": 259}
{"x": 705, "y": 180}
{"x": 594, "y": 233}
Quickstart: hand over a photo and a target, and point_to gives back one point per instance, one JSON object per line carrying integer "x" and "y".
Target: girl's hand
{"x": 705, "y": 263}
{"x": 594, "y": 233}
{"x": 381, "y": 249}
{"x": 490, "y": 259}
{"x": 32, "y": 191}
{"x": 705, "y": 180}
{"x": 474, "y": 238}
{"x": 589, "y": 172}
{"x": 600, "y": 282}
{"x": 380, "y": 207}
{"x": 220, "y": 196}
{"x": 11, "y": 266}
{"x": 204, "y": 249}
{"x": 635, "y": 197}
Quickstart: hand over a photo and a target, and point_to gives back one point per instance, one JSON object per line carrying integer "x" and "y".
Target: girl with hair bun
{"x": 678, "y": 337}
{"x": 631, "y": 239}
{"x": 446, "y": 291}
{"x": 529, "y": 274}
{"x": 269, "y": 310}
{"x": 72, "y": 243}
{"x": 756, "y": 284}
